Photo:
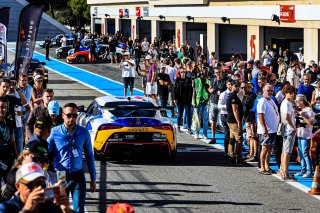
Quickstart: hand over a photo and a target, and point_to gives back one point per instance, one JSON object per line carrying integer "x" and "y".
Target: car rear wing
{"x": 135, "y": 107}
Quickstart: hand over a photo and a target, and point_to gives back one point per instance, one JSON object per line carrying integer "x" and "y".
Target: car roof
{"x": 109, "y": 98}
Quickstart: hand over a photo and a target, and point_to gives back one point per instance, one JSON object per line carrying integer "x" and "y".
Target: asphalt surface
{"x": 198, "y": 180}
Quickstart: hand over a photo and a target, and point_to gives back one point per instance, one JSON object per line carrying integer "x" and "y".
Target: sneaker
{"x": 190, "y": 132}
{"x": 252, "y": 159}
{"x": 205, "y": 138}
{"x": 307, "y": 175}
{"x": 197, "y": 136}
{"x": 213, "y": 141}
{"x": 299, "y": 174}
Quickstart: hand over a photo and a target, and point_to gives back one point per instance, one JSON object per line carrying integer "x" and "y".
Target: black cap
{"x": 43, "y": 122}
{"x": 38, "y": 149}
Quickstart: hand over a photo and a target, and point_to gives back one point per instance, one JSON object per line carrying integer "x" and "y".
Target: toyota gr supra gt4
{"x": 121, "y": 126}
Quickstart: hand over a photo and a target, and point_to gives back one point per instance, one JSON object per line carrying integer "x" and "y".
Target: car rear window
{"x": 122, "y": 113}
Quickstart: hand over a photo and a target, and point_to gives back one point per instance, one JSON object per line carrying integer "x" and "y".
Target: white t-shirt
{"x": 145, "y": 46}
{"x": 127, "y": 69}
{"x": 280, "y": 97}
{"x": 306, "y": 132}
{"x": 171, "y": 71}
{"x": 63, "y": 41}
{"x": 291, "y": 74}
{"x": 267, "y": 57}
{"x": 271, "y": 115}
{"x": 287, "y": 108}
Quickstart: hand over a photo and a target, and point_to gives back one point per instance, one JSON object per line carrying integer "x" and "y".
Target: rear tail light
{"x": 164, "y": 127}
{"x": 109, "y": 127}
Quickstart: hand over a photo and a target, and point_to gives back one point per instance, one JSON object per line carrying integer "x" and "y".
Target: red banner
{"x": 287, "y": 13}
{"x": 120, "y": 12}
{"x": 138, "y": 11}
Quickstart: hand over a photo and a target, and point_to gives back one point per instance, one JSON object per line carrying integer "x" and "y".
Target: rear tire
{"x": 173, "y": 154}
{"x": 81, "y": 59}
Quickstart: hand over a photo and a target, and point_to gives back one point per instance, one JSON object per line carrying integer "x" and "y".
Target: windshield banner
{"x": 4, "y": 21}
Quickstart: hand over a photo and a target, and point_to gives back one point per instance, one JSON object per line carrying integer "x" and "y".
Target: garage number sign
{"x": 287, "y": 13}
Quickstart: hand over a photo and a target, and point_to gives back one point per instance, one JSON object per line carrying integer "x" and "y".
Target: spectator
{"x": 26, "y": 90}
{"x": 130, "y": 46}
{"x": 256, "y": 68}
{"x": 222, "y": 106}
{"x": 262, "y": 81}
{"x": 128, "y": 74}
{"x": 151, "y": 88}
{"x": 145, "y": 45}
{"x": 315, "y": 100}
{"x": 77, "y": 46}
{"x": 305, "y": 122}
{"x": 164, "y": 82}
{"x": 201, "y": 96}
{"x": 153, "y": 52}
{"x": 63, "y": 41}
{"x": 77, "y": 140}
{"x": 267, "y": 56}
{"x": 314, "y": 72}
{"x": 198, "y": 50}
{"x": 190, "y": 52}
{"x": 302, "y": 71}
{"x": 113, "y": 43}
{"x": 47, "y": 44}
{"x": 37, "y": 92}
{"x": 234, "y": 63}
{"x": 282, "y": 67}
{"x": 281, "y": 95}
{"x": 8, "y": 150}
{"x": 42, "y": 111}
{"x": 30, "y": 182}
{"x": 292, "y": 75}
{"x": 274, "y": 82}
{"x": 234, "y": 119}
{"x": 137, "y": 52}
{"x": 93, "y": 54}
{"x": 300, "y": 54}
{"x": 289, "y": 131}
{"x": 248, "y": 71}
{"x": 268, "y": 121}
{"x": 171, "y": 71}
{"x": 306, "y": 89}
{"x": 217, "y": 86}
{"x": 182, "y": 97}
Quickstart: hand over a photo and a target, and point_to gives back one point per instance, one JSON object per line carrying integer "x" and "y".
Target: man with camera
{"x": 267, "y": 56}
{"x": 33, "y": 196}
{"x": 128, "y": 74}
{"x": 201, "y": 96}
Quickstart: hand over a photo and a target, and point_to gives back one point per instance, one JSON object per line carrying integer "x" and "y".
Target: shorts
{"x": 270, "y": 141}
{"x": 214, "y": 112}
{"x": 113, "y": 53}
{"x": 151, "y": 89}
{"x": 128, "y": 81}
{"x": 288, "y": 142}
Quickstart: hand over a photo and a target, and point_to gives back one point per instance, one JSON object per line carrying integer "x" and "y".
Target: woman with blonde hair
{"x": 37, "y": 92}
{"x": 304, "y": 121}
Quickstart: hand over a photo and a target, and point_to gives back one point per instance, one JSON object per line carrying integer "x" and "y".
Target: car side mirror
{"x": 43, "y": 63}
{"x": 81, "y": 108}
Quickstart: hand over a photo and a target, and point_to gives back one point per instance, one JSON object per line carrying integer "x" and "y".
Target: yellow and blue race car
{"x": 128, "y": 125}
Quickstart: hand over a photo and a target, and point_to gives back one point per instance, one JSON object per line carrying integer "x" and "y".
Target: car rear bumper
{"x": 130, "y": 148}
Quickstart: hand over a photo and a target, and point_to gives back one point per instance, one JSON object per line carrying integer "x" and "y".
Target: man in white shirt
{"x": 145, "y": 45}
{"x": 268, "y": 121}
{"x": 127, "y": 66}
{"x": 289, "y": 131}
{"x": 292, "y": 75}
{"x": 267, "y": 55}
{"x": 222, "y": 106}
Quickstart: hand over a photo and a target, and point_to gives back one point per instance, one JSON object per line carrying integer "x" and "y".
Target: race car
{"x": 62, "y": 52}
{"x": 128, "y": 125}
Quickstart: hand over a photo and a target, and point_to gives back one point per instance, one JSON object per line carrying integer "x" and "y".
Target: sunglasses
{"x": 268, "y": 90}
{"x": 243, "y": 87}
{"x": 71, "y": 115}
{"x": 35, "y": 184}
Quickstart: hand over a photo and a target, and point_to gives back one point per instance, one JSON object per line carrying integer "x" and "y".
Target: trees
{"x": 81, "y": 11}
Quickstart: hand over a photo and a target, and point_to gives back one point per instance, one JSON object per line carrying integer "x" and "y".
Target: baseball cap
{"x": 162, "y": 66}
{"x": 37, "y": 77}
{"x": 250, "y": 61}
{"x": 53, "y": 108}
{"x": 29, "y": 172}
{"x": 126, "y": 53}
{"x": 43, "y": 122}
{"x": 148, "y": 57}
{"x": 38, "y": 149}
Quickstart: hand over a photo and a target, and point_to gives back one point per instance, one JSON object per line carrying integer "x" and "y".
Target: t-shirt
{"x": 271, "y": 115}
{"x": 171, "y": 71}
{"x": 305, "y": 130}
{"x": 163, "y": 90}
{"x": 12, "y": 103}
{"x": 233, "y": 99}
{"x": 145, "y": 46}
{"x": 127, "y": 69}
{"x": 287, "y": 108}
{"x": 247, "y": 71}
{"x": 307, "y": 91}
{"x": 314, "y": 75}
{"x": 292, "y": 75}
{"x": 113, "y": 46}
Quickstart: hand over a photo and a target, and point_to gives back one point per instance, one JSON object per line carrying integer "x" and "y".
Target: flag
{"x": 29, "y": 21}
{"x": 4, "y": 21}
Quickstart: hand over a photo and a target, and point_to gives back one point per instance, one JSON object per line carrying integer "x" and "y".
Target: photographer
{"x": 201, "y": 96}
{"x": 128, "y": 74}
{"x": 304, "y": 123}
{"x": 33, "y": 196}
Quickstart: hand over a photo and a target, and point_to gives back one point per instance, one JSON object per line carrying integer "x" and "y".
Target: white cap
{"x": 37, "y": 77}
{"x": 148, "y": 57}
{"x": 29, "y": 172}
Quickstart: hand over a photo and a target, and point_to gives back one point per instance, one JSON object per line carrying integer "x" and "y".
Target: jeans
{"x": 187, "y": 108}
{"x": 137, "y": 62}
{"x": 304, "y": 147}
{"x": 203, "y": 114}
{"x": 185, "y": 117}
{"x": 77, "y": 186}
{"x": 18, "y": 137}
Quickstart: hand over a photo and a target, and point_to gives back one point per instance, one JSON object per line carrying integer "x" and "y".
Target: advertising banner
{"x": 4, "y": 22}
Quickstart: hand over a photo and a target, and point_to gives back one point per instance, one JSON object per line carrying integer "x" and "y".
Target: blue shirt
{"x": 63, "y": 146}
{"x": 307, "y": 91}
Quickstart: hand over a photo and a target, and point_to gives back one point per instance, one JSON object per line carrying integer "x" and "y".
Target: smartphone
{"x": 51, "y": 193}
{"x": 61, "y": 175}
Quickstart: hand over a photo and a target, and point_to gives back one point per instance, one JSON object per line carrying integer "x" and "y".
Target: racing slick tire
{"x": 81, "y": 59}
{"x": 58, "y": 55}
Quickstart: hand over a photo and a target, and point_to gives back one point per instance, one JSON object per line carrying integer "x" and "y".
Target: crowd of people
{"x": 41, "y": 150}
{"x": 270, "y": 104}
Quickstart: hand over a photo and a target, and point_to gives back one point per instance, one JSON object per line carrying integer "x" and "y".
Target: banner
{"x": 4, "y": 22}
{"x": 29, "y": 21}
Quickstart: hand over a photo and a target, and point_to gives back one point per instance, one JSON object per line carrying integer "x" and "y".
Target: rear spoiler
{"x": 134, "y": 107}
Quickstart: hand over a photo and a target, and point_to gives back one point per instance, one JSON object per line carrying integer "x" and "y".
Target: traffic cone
{"x": 315, "y": 188}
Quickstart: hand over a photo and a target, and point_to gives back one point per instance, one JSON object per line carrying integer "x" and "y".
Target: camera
{"x": 51, "y": 193}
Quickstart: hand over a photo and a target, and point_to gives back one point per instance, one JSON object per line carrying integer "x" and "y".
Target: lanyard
{"x": 72, "y": 137}
{"x": 275, "y": 109}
